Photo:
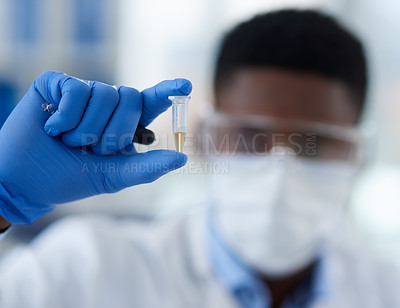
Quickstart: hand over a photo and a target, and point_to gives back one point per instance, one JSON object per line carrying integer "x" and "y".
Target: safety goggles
{"x": 260, "y": 135}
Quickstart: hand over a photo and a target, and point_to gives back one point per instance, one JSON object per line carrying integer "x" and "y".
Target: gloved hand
{"x": 84, "y": 149}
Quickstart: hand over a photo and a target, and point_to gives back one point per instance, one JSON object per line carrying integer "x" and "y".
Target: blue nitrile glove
{"x": 42, "y": 162}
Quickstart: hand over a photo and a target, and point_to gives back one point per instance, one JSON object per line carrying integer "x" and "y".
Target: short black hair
{"x": 299, "y": 40}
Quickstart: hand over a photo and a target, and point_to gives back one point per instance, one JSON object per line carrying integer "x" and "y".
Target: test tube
{"x": 179, "y": 119}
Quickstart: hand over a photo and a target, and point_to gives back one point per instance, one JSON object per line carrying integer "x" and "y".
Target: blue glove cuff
{"x": 18, "y": 211}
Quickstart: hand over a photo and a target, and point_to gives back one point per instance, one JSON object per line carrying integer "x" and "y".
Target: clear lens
{"x": 230, "y": 134}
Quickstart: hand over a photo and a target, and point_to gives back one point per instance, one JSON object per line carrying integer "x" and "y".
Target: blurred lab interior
{"x": 139, "y": 43}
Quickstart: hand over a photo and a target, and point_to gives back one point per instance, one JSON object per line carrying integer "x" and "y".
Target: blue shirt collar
{"x": 245, "y": 285}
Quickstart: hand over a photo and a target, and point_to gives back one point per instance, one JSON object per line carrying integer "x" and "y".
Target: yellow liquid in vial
{"x": 179, "y": 141}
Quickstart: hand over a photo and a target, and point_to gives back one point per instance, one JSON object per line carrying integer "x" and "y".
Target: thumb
{"x": 147, "y": 167}
{"x": 155, "y": 99}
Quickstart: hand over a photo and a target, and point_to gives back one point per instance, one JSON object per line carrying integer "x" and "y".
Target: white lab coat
{"x": 102, "y": 262}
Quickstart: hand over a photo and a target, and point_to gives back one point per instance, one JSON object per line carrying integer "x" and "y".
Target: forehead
{"x": 287, "y": 95}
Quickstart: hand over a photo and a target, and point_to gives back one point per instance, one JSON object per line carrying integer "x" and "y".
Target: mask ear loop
{"x": 360, "y": 157}
{"x": 367, "y": 135}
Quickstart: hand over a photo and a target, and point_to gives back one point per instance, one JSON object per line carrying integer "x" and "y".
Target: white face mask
{"x": 276, "y": 212}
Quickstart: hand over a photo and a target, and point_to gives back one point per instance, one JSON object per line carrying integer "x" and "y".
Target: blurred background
{"x": 139, "y": 43}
